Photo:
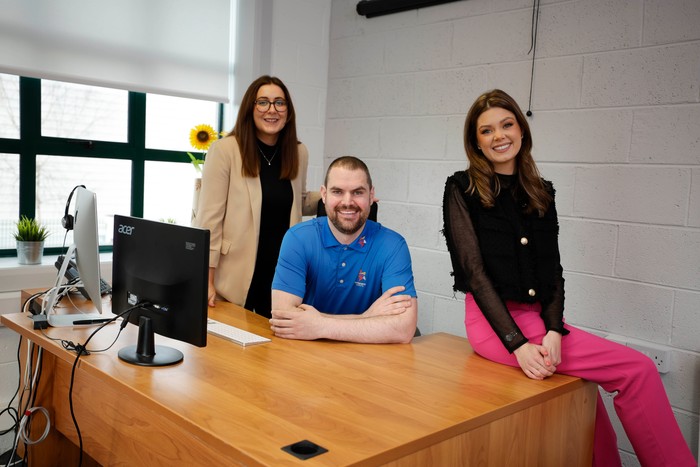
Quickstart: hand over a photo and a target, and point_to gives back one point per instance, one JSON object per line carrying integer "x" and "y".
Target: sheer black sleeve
{"x": 553, "y": 310}
{"x": 468, "y": 266}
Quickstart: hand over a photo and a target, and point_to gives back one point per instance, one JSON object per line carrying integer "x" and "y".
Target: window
{"x": 9, "y": 187}
{"x": 83, "y": 112}
{"x": 169, "y": 120}
{"x": 9, "y": 106}
{"x": 56, "y": 176}
{"x": 129, "y": 148}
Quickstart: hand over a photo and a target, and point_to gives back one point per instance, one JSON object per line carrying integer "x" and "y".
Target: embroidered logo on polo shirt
{"x": 362, "y": 242}
{"x": 361, "y": 279}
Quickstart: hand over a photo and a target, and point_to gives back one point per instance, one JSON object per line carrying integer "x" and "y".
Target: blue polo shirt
{"x": 342, "y": 279}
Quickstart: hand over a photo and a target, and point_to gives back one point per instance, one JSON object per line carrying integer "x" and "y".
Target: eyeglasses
{"x": 263, "y": 105}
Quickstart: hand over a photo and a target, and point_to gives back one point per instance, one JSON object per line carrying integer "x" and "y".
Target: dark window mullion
{"x": 165, "y": 155}
{"x": 53, "y": 146}
{"x": 29, "y": 135}
{"x": 221, "y": 118}
{"x": 137, "y": 145}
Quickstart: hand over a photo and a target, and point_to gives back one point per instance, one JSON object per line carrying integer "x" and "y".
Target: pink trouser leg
{"x": 605, "y": 451}
{"x": 641, "y": 402}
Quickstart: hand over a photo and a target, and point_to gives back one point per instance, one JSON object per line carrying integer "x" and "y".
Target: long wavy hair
{"x": 245, "y": 132}
{"x": 483, "y": 180}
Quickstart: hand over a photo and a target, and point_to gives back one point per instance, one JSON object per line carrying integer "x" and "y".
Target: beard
{"x": 344, "y": 226}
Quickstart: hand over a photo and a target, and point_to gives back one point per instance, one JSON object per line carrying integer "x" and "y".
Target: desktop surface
{"x": 366, "y": 404}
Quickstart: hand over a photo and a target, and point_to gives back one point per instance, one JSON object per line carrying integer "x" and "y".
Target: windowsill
{"x": 11, "y": 262}
{"x": 15, "y": 277}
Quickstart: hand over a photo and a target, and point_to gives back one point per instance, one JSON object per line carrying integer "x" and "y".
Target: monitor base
{"x": 145, "y": 352}
{"x": 163, "y": 356}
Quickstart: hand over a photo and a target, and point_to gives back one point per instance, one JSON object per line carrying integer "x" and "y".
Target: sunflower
{"x": 202, "y": 136}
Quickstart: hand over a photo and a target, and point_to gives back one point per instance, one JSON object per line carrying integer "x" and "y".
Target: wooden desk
{"x": 432, "y": 402}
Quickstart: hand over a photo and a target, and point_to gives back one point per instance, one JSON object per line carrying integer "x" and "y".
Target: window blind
{"x": 173, "y": 47}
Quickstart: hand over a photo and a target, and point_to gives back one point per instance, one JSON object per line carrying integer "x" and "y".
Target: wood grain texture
{"x": 432, "y": 402}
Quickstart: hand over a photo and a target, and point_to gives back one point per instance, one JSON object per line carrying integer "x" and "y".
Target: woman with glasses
{"x": 501, "y": 229}
{"x": 253, "y": 190}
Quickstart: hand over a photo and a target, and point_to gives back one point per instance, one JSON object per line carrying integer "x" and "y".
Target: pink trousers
{"x": 641, "y": 402}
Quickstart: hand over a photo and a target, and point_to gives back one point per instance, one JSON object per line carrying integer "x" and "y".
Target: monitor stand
{"x": 77, "y": 319}
{"x": 145, "y": 352}
{"x": 50, "y": 301}
{"x": 68, "y": 319}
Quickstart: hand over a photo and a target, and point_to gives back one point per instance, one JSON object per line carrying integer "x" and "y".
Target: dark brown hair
{"x": 350, "y": 163}
{"x": 245, "y": 132}
{"x": 481, "y": 172}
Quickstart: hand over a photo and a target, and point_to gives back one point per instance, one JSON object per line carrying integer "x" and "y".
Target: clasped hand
{"x": 540, "y": 361}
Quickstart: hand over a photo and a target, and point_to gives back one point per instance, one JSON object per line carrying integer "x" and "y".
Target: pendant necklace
{"x": 269, "y": 161}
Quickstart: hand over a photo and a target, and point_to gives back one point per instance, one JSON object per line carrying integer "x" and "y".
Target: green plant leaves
{"x": 29, "y": 230}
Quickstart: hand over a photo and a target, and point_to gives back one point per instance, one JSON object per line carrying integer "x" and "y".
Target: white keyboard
{"x": 234, "y": 334}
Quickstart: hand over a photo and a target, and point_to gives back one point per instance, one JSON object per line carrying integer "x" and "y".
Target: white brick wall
{"x": 300, "y": 38}
{"x": 616, "y": 126}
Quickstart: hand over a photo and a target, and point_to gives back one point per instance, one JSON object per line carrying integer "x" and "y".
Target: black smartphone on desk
{"x": 73, "y": 276}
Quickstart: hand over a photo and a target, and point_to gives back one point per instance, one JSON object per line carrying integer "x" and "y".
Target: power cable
{"x": 533, "y": 49}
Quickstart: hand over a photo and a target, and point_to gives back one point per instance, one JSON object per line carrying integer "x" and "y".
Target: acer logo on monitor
{"x": 126, "y": 229}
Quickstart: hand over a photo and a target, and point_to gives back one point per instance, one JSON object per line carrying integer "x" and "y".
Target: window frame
{"x": 31, "y": 143}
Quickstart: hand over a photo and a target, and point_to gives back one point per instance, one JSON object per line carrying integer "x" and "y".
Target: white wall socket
{"x": 659, "y": 354}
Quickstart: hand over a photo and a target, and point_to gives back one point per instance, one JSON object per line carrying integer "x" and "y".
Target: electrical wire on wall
{"x": 23, "y": 414}
{"x": 13, "y": 412}
{"x": 533, "y": 48}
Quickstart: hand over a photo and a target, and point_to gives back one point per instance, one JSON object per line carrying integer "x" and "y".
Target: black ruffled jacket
{"x": 502, "y": 253}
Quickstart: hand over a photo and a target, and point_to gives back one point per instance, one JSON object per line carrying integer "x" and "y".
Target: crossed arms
{"x": 390, "y": 319}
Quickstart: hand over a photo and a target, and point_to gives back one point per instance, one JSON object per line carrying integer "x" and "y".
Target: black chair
{"x": 321, "y": 210}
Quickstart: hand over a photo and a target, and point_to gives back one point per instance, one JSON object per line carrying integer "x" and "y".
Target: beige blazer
{"x": 229, "y": 206}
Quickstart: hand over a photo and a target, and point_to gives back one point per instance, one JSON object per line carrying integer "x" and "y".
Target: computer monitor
{"x": 85, "y": 247}
{"x": 86, "y": 240}
{"x": 162, "y": 270}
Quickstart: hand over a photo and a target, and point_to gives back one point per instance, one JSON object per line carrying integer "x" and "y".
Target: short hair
{"x": 350, "y": 163}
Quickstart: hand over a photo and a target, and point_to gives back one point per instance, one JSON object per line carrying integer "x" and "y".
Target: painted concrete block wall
{"x": 616, "y": 127}
{"x": 9, "y": 340}
{"x": 300, "y": 42}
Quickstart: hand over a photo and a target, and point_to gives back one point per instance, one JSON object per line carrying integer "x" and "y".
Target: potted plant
{"x": 30, "y": 236}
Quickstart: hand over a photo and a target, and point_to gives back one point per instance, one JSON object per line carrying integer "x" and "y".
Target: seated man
{"x": 343, "y": 277}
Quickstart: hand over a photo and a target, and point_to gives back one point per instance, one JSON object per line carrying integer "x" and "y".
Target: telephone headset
{"x": 68, "y": 220}
{"x": 71, "y": 272}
